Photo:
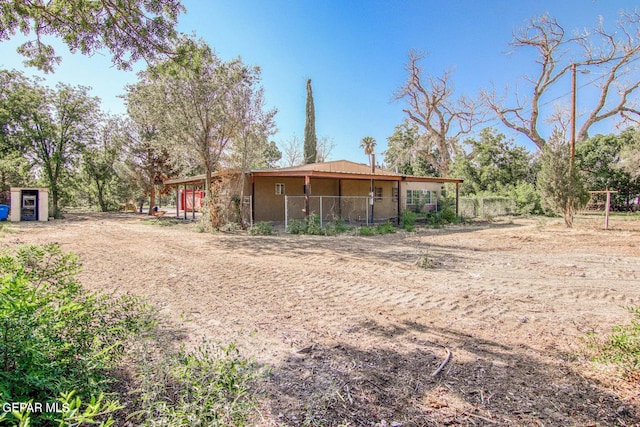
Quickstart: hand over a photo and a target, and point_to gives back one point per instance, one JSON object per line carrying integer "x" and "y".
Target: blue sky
{"x": 355, "y": 52}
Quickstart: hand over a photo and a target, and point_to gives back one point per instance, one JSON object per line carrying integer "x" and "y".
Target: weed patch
{"x": 621, "y": 347}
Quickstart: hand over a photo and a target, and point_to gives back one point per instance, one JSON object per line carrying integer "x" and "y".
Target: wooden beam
{"x": 193, "y": 202}
{"x": 184, "y": 205}
{"x": 307, "y": 193}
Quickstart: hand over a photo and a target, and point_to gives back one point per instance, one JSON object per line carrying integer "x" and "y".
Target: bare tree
{"x": 607, "y": 53}
{"x": 324, "y": 148}
{"x": 440, "y": 118}
{"x": 292, "y": 152}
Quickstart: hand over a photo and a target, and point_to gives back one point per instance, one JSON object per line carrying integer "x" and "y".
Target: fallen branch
{"x": 443, "y": 364}
{"x": 481, "y": 417}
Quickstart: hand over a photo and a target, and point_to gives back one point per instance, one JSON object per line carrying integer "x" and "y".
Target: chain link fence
{"x": 350, "y": 209}
{"x": 485, "y": 207}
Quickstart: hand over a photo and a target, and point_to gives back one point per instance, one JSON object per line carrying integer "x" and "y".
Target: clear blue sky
{"x": 354, "y": 51}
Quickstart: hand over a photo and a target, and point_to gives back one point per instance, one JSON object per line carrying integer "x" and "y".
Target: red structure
{"x": 188, "y": 202}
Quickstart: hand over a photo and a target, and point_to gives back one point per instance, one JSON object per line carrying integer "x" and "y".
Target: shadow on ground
{"x": 484, "y": 383}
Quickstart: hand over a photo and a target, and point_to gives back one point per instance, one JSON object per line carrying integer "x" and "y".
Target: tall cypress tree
{"x": 310, "y": 139}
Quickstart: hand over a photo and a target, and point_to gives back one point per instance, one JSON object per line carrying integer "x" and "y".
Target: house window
{"x": 279, "y": 189}
{"x": 394, "y": 193}
{"x": 378, "y": 193}
{"x": 420, "y": 197}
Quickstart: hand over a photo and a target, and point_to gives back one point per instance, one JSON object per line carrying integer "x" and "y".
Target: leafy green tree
{"x": 561, "y": 191}
{"x": 147, "y": 158}
{"x": 202, "y": 106}
{"x": 630, "y": 157}
{"x": 129, "y": 29}
{"x": 599, "y": 160}
{"x": 310, "y": 138}
{"x": 51, "y": 128}
{"x": 271, "y": 155}
{"x": 254, "y": 127}
{"x": 493, "y": 164}
{"x": 99, "y": 165}
{"x": 404, "y": 152}
{"x": 15, "y": 168}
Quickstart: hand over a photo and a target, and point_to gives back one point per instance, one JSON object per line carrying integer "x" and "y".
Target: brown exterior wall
{"x": 270, "y": 207}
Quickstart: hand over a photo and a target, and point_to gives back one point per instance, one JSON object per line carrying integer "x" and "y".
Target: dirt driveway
{"x": 353, "y": 329}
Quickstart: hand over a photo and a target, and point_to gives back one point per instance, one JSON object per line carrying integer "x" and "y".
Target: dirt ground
{"x": 352, "y": 329}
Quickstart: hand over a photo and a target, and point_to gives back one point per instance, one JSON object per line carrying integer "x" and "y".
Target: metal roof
{"x": 338, "y": 169}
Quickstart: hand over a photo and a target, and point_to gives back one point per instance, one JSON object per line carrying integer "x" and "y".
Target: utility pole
{"x": 572, "y": 152}
{"x": 572, "y": 142}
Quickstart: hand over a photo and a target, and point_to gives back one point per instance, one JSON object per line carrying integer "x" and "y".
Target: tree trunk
{"x": 54, "y": 201}
{"x": 152, "y": 198}
{"x": 101, "y": 202}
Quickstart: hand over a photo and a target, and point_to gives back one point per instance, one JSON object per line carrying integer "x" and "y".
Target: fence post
{"x": 366, "y": 201}
{"x": 286, "y": 213}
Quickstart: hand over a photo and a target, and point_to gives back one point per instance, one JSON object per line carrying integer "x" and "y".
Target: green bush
{"x": 262, "y": 229}
{"x": 313, "y": 225}
{"x": 527, "y": 199}
{"x": 447, "y": 216}
{"x": 366, "y": 231}
{"x": 408, "y": 220}
{"x": 59, "y": 342}
{"x": 56, "y": 337}
{"x": 386, "y": 228}
{"x": 341, "y": 227}
{"x": 297, "y": 227}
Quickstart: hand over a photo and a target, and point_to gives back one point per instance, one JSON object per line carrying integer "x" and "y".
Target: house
{"x": 336, "y": 189}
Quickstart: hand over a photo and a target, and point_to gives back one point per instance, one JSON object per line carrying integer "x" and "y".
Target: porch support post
{"x": 253, "y": 198}
{"x": 607, "y": 209}
{"x": 398, "y": 201}
{"x": 372, "y": 198}
{"x": 184, "y": 205}
{"x": 457, "y": 198}
{"x": 340, "y": 198}
{"x": 193, "y": 202}
{"x": 178, "y": 201}
{"x": 307, "y": 193}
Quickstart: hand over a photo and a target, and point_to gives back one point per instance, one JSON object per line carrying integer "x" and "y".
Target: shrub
{"x": 57, "y": 337}
{"x": 386, "y": 228}
{"x": 297, "y": 227}
{"x": 366, "y": 231}
{"x": 408, "y": 220}
{"x": 262, "y": 229}
{"x": 341, "y": 227}
{"x": 59, "y": 342}
{"x": 447, "y": 216}
{"x": 313, "y": 225}
{"x": 527, "y": 199}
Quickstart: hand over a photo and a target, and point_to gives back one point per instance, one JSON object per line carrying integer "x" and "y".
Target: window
{"x": 378, "y": 193}
{"x": 394, "y": 193}
{"x": 421, "y": 197}
{"x": 279, "y": 189}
